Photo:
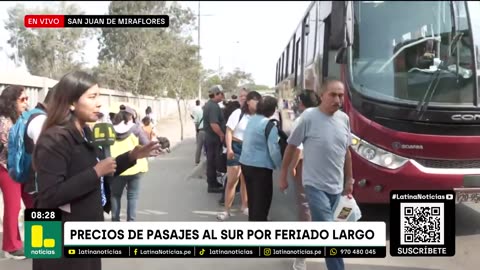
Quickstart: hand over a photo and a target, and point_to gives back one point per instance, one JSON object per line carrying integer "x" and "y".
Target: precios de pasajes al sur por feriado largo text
{"x": 168, "y": 234}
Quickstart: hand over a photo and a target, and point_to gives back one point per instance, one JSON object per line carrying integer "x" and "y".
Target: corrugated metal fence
{"x": 37, "y": 87}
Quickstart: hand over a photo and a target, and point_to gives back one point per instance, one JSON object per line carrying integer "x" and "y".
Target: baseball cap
{"x": 128, "y": 110}
{"x": 215, "y": 89}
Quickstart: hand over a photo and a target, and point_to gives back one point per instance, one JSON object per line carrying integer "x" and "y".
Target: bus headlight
{"x": 377, "y": 155}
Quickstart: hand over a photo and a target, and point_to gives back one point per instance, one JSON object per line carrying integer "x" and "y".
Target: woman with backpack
{"x": 261, "y": 154}
{"x": 236, "y": 124}
{"x": 13, "y": 102}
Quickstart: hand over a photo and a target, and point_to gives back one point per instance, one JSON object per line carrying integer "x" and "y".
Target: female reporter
{"x": 71, "y": 171}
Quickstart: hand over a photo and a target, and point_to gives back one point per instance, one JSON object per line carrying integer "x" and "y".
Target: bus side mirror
{"x": 341, "y": 56}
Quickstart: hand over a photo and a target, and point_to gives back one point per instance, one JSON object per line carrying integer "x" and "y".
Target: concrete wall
{"x": 37, "y": 88}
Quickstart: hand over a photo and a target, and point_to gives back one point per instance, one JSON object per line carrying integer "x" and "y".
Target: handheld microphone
{"x": 104, "y": 137}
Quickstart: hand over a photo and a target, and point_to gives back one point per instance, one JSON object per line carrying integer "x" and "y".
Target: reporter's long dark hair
{"x": 68, "y": 90}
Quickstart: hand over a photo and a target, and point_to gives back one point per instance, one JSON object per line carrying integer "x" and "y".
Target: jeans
{"x": 237, "y": 151}
{"x": 117, "y": 186}
{"x": 321, "y": 209}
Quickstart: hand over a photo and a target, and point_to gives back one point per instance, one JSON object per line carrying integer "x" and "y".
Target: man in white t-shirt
{"x": 197, "y": 115}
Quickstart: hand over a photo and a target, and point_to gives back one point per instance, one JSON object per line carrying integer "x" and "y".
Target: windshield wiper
{"x": 423, "y": 103}
{"x": 406, "y": 46}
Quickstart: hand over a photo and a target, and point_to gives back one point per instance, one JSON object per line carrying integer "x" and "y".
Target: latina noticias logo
{"x": 39, "y": 244}
{"x": 43, "y": 240}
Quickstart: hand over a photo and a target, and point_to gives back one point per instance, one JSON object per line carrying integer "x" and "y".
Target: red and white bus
{"x": 412, "y": 75}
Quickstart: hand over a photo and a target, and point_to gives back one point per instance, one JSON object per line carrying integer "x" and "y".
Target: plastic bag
{"x": 347, "y": 210}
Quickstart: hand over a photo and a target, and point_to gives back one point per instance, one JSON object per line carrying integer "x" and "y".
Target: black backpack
{"x": 282, "y": 141}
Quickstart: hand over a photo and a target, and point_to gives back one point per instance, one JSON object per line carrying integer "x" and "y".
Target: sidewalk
{"x": 167, "y": 127}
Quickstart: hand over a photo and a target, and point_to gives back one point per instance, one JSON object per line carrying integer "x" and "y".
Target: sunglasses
{"x": 23, "y": 99}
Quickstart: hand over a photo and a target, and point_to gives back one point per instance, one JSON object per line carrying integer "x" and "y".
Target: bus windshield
{"x": 402, "y": 49}
{"x": 474, "y": 8}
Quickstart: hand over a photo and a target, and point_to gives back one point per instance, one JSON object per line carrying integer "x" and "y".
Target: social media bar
{"x": 96, "y": 252}
{"x": 227, "y": 251}
{"x": 159, "y": 252}
{"x": 290, "y": 252}
{"x": 222, "y": 252}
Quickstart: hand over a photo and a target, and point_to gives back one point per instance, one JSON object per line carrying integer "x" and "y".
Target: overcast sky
{"x": 248, "y": 35}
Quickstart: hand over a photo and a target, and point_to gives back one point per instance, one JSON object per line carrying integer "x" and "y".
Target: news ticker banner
{"x": 222, "y": 252}
{"x": 422, "y": 223}
{"x": 47, "y": 238}
{"x": 224, "y": 239}
{"x": 95, "y": 21}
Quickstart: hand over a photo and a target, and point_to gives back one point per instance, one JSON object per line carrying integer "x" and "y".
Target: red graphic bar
{"x": 44, "y": 21}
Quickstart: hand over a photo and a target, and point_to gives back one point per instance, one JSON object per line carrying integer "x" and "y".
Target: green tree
{"x": 181, "y": 73}
{"x": 46, "y": 52}
{"x": 258, "y": 87}
{"x": 130, "y": 59}
{"x": 233, "y": 80}
{"x": 209, "y": 79}
{"x": 151, "y": 60}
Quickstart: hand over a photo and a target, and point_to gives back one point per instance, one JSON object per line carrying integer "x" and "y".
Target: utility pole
{"x": 199, "y": 58}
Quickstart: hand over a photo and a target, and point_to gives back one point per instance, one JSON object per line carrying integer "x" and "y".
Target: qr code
{"x": 422, "y": 224}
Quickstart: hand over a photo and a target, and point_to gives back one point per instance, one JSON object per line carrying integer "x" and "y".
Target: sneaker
{"x": 300, "y": 264}
{"x": 221, "y": 178}
{"x": 245, "y": 211}
{"x": 223, "y": 216}
{"x": 16, "y": 255}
